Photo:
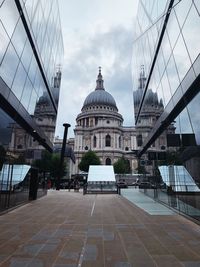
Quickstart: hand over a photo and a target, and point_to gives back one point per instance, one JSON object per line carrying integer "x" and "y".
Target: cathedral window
{"x": 108, "y": 140}
{"x": 120, "y": 142}
{"x": 108, "y": 161}
{"x": 139, "y": 140}
{"x": 94, "y": 141}
{"x": 96, "y": 121}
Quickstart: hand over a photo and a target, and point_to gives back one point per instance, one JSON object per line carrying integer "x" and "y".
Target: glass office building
{"x": 167, "y": 47}
{"x": 31, "y": 52}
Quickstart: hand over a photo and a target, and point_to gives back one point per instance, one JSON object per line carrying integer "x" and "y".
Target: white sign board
{"x": 98, "y": 173}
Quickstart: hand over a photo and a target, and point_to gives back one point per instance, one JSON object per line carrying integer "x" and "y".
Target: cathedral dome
{"x": 151, "y": 98}
{"x": 99, "y": 96}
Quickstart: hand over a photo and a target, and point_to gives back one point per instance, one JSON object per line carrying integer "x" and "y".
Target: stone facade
{"x": 99, "y": 127}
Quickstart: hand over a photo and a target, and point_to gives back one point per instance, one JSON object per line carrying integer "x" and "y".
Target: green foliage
{"x": 141, "y": 170}
{"x": 55, "y": 165}
{"x": 122, "y": 166}
{"x": 45, "y": 162}
{"x": 50, "y": 162}
{"x": 89, "y": 158}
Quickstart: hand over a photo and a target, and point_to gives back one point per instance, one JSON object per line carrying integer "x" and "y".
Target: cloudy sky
{"x": 96, "y": 33}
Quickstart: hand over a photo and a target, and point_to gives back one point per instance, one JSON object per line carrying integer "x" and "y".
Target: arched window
{"x": 120, "y": 142}
{"x": 87, "y": 122}
{"x": 91, "y": 123}
{"x": 108, "y": 140}
{"x": 139, "y": 140}
{"x": 94, "y": 141}
{"x": 108, "y": 161}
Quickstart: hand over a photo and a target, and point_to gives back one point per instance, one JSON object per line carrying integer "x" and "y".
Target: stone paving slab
{"x": 67, "y": 229}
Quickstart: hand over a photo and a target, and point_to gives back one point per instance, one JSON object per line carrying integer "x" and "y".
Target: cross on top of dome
{"x": 99, "y": 81}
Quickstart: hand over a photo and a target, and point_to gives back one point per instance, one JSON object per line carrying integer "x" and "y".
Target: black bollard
{"x": 66, "y": 125}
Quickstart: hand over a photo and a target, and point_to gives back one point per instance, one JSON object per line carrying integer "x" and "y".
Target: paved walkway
{"x": 67, "y": 229}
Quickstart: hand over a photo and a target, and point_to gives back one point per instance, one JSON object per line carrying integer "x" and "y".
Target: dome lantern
{"x": 99, "y": 81}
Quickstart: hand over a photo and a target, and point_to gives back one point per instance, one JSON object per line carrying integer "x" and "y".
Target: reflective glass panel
{"x": 30, "y": 6}
{"x": 5, "y": 129}
{"x": 32, "y": 69}
{"x": 9, "y": 65}
{"x": 185, "y": 125}
{"x": 197, "y": 5}
{"x": 182, "y": 10}
{"x": 9, "y": 10}
{"x": 191, "y": 33}
{"x": 180, "y": 56}
{"x": 193, "y": 108}
{"x": 26, "y": 93}
{"x": 19, "y": 80}
{"x": 31, "y": 108}
{"x": 166, "y": 88}
{"x": 173, "y": 29}
{"x": 166, "y": 48}
{"x": 27, "y": 55}
{"x": 4, "y": 41}
{"x": 173, "y": 75}
{"x": 19, "y": 37}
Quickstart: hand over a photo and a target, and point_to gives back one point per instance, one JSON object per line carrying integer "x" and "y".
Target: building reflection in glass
{"x": 167, "y": 44}
{"x": 31, "y": 52}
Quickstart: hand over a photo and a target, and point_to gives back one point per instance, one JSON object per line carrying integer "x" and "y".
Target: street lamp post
{"x": 66, "y": 126}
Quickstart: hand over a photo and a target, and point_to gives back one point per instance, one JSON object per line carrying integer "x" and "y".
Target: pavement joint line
{"x": 82, "y": 253}
{"x": 93, "y": 206}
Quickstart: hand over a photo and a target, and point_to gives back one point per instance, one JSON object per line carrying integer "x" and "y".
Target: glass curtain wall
{"x": 31, "y": 52}
{"x": 167, "y": 46}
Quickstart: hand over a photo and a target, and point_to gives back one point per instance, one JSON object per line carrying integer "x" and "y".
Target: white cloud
{"x": 103, "y": 42}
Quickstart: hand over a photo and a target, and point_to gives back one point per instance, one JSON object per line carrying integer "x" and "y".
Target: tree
{"x": 50, "y": 162}
{"x": 44, "y": 163}
{"x": 141, "y": 169}
{"x": 122, "y": 166}
{"x": 89, "y": 158}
